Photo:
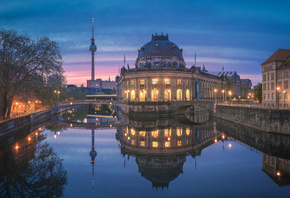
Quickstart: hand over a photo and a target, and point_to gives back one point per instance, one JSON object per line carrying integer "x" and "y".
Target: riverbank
{"x": 33, "y": 119}
{"x": 268, "y": 120}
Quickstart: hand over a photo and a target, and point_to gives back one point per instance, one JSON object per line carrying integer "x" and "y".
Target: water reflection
{"x": 160, "y": 147}
{"x": 30, "y": 168}
{"x": 278, "y": 169}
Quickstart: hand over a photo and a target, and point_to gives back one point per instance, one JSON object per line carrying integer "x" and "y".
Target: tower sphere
{"x": 93, "y": 47}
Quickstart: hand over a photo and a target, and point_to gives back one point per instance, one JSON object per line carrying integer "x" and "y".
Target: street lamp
{"x": 230, "y": 93}
{"x": 223, "y": 91}
{"x": 284, "y": 92}
{"x": 58, "y": 92}
{"x": 215, "y": 90}
{"x": 250, "y": 97}
{"x": 278, "y": 89}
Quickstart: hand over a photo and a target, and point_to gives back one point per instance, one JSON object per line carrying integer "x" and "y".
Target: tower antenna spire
{"x": 93, "y": 20}
{"x": 93, "y": 49}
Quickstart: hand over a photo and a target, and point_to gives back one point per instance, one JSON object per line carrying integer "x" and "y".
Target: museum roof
{"x": 160, "y": 46}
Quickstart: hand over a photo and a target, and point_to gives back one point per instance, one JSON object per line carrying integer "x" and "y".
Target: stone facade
{"x": 160, "y": 75}
{"x": 275, "y": 79}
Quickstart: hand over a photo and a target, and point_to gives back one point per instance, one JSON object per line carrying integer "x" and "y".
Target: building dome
{"x": 160, "y": 52}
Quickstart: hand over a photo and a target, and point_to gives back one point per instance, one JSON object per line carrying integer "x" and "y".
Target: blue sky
{"x": 238, "y": 35}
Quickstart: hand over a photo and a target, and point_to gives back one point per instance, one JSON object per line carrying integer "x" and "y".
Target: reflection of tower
{"x": 93, "y": 48}
{"x": 93, "y": 155}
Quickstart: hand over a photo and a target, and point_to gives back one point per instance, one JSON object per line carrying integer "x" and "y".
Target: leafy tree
{"x": 258, "y": 92}
{"x": 76, "y": 93}
{"x": 25, "y": 66}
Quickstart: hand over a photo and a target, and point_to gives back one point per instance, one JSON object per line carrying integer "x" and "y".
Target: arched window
{"x": 179, "y": 131}
{"x": 132, "y": 95}
{"x": 167, "y": 95}
{"x": 154, "y": 95}
{"x": 179, "y": 95}
{"x": 142, "y": 95}
{"x": 187, "y": 95}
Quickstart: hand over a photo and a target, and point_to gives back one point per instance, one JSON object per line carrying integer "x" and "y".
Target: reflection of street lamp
{"x": 278, "y": 89}
{"x": 16, "y": 109}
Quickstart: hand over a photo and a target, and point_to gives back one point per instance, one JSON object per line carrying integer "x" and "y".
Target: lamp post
{"x": 57, "y": 92}
{"x": 230, "y": 93}
{"x": 284, "y": 92}
{"x": 223, "y": 91}
{"x": 278, "y": 89}
{"x": 215, "y": 90}
{"x": 250, "y": 97}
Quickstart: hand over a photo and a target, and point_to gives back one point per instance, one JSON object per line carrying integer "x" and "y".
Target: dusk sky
{"x": 239, "y": 35}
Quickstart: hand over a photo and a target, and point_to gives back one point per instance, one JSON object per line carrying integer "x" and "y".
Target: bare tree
{"x": 24, "y": 66}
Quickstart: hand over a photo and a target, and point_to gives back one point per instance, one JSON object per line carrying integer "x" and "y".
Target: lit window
{"x": 142, "y": 143}
{"x": 132, "y": 82}
{"x": 167, "y": 132}
{"x": 179, "y": 81}
{"x": 187, "y": 131}
{"x": 179, "y": 143}
{"x": 142, "y": 81}
{"x": 132, "y": 131}
{"x": 154, "y": 81}
{"x": 155, "y": 144}
{"x": 167, "y": 81}
{"x": 142, "y": 133}
{"x": 133, "y": 142}
{"x": 167, "y": 144}
{"x": 154, "y": 134}
{"x": 179, "y": 131}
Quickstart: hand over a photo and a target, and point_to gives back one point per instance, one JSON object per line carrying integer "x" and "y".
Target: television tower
{"x": 93, "y": 48}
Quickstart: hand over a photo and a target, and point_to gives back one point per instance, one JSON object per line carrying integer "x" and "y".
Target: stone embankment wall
{"x": 270, "y": 120}
{"x": 33, "y": 120}
{"x": 24, "y": 121}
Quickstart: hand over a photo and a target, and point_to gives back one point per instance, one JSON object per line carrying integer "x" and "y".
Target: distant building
{"x": 275, "y": 79}
{"x": 94, "y": 83}
{"x": 246, "y": 88}
{"x": 108, "y": 84}
{"x": 71, "y": 86}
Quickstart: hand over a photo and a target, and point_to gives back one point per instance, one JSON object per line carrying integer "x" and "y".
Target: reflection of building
{"x": 278, "y": 169}
{"x": 276, "y": 74}
{"x": 160, "y": 75}
{"x": 161, "y": 151}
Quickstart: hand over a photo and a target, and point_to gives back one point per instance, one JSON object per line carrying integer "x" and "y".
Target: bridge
{"x": 168, "y": 107}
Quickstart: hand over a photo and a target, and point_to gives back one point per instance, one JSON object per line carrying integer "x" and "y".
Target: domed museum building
{"x": 160, "y": 75}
